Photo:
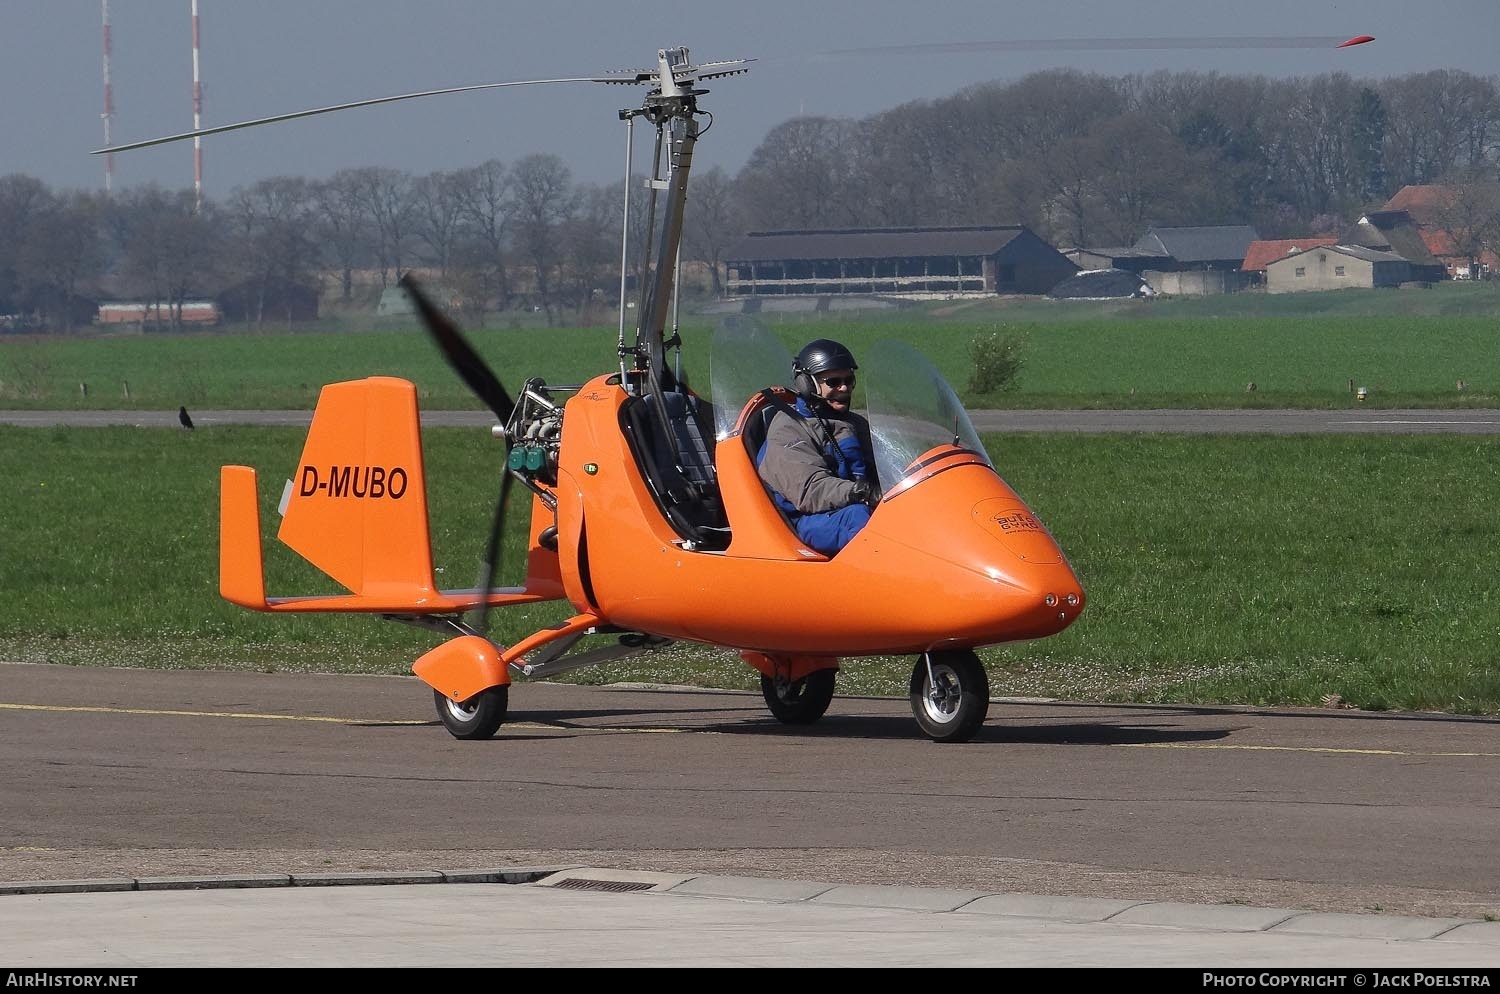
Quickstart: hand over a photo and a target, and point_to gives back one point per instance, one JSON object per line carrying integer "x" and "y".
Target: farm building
{"x": 1450, "y": 223}
{"x": 1263, "y": 252}
{"x": 1117, "y": 257}
{"x": 1396, "y": 232}
{"x": 1336, "y": 267}
{"x": 979, "y": 259}
{"x": 141, "y": 313}
{"x": 1201, "y": 247}
{"x": 1200, "y": 259}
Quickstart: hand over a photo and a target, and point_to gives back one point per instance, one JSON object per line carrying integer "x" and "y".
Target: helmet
{"x": 816, "y": 357}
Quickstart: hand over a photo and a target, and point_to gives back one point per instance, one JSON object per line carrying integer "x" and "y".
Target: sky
{"x": 259, "y": 58}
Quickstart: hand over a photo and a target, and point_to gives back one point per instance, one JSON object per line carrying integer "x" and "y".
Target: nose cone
{"x": 981, "y": 567}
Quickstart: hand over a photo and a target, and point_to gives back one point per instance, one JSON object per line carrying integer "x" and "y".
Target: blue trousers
{"x": 830, "y": 531}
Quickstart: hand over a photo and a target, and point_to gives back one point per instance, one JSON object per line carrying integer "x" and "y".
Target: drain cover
{"x": 614, "y": 886}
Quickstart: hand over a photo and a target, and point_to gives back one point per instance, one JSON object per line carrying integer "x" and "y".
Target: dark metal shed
{"x": 976, "y": 259}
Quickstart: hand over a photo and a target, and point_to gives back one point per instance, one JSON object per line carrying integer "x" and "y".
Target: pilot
{"x": 817, "y": 457}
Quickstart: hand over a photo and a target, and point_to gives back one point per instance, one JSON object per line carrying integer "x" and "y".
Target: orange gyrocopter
{"x": 648, "y": 515}
{"x": 649, "y": 518}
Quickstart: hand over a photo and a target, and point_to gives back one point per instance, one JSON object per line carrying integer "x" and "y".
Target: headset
{"x": 815, "y": 357}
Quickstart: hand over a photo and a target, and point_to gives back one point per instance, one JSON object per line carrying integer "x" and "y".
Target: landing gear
{"x": 799, "y": 702}
{"x": 479, "y": 717}
{"x": 950, "y": 695}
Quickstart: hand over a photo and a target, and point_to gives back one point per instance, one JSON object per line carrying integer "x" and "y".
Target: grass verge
{"x": 1260, "y": 570}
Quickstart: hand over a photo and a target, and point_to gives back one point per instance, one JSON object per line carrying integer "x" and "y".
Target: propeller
{"x": 459, "y": 353}
{"x": 482, "y": 380}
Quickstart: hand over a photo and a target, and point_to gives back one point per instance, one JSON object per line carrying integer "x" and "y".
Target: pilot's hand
{"x": 865, "y": 493}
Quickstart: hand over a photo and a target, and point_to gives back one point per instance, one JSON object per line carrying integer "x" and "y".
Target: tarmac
{"x": 591, "y": 917}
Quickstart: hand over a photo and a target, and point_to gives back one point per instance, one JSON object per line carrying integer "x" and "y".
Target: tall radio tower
{"x": 109, "y": 108}
{"x": 197, "y": 119}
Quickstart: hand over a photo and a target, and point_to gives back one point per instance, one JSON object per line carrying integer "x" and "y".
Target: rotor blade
{"x": 357, "y": 103}
{"x": 1099, "y": 45}
{"x": 459, "y": 353}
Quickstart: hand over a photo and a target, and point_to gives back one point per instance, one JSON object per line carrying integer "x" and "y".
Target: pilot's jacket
{"x": 812, "y": 462}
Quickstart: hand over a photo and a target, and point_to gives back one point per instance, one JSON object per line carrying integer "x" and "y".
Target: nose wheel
{"x": 950, "y": 695}
{"x": 479, "y": 717}
{"x": 799, "y": 702}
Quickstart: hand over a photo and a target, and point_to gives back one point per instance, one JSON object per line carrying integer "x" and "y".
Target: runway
{"x": 1072, "y": 834}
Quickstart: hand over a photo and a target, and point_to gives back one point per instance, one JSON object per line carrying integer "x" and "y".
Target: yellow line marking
{"x": 1266, "y": 748}
{"x": 534, "y": 725}
{"x": 210, "y": 714}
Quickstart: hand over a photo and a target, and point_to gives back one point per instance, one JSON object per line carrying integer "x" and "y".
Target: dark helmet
{"x": 817, "y": 357}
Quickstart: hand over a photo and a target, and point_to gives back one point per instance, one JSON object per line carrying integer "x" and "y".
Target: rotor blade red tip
{"x": 1356, "y": 40}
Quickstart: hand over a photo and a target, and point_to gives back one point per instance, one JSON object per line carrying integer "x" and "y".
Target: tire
{"x": 477, "y": 718}
{"x": 802, "y": 702}
{"x": 957, "y": 709}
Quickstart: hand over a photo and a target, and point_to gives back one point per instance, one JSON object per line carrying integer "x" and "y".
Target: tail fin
{"x": 357, "y": 507}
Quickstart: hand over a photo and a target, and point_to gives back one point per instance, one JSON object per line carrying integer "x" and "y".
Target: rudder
{"x": 357, "y": 507}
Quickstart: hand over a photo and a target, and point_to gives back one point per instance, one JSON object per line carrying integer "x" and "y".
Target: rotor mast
{"x": 671, "y": 108}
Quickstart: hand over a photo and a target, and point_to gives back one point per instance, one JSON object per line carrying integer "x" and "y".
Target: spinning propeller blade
{"x": 459, "y": 353}
{"x": 483, "y": 381}
{"x": 489, "y": 566}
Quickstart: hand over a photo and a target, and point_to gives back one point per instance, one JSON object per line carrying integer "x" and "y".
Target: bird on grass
{"x": 182, "y": 417}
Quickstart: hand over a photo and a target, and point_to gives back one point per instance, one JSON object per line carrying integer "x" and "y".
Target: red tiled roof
{"x": 1421, "y": 202}
{"x": 1269, "y": 250}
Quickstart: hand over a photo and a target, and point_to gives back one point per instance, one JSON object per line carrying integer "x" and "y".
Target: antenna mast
{"x": 109, "y": 107}
{"x": 197, "y": 119}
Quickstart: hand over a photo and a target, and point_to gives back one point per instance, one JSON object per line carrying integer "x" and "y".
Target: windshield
{"x": 910, "y": 406}
{"x": 911, "y": 409}
{"x": 744, "y": 358}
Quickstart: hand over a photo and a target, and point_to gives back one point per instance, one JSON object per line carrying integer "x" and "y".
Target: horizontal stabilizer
{"x": 356, "y": 508}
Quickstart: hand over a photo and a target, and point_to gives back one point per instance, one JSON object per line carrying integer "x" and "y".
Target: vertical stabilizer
{"x": 357, "y": 505}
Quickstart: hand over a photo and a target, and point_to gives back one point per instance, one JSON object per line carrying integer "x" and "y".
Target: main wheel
{"x": 477, "y": 718}
{"x": 799, "y": 702}
{"x": 951, "y": 704}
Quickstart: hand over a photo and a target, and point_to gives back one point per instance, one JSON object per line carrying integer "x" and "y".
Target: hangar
{"x": 976, "y": 259}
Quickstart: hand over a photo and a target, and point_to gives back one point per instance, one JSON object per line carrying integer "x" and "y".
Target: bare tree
{"x": 1439, "y": 122}
{"x": 544, "y": 199}
{"x": 342, "y": 226}
{"x": 1143, "y": 172}
{"x": 437, "y": 213}
{"x": 486, "y": 207}
{"x": 61, "y": 256}
{"x": 171, "y": 248}
{"x": 713, "y": 219}
{"x": 385, "y": 196}
{"x": 23, "y": 199}
{"x": 274, "y": 250}
{"x": 796, "y": 176}
{"x": 589, "y": 239}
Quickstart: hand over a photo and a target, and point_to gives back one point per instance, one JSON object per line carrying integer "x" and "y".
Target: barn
{"x": 949, "y": 260}
{"x": 1396, "y": 232}
{"x": 1336, "y": 267}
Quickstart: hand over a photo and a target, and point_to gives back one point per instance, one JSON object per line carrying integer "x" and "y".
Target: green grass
{"x": 1260, "y": 570}
{"x": 1164, "y": 356}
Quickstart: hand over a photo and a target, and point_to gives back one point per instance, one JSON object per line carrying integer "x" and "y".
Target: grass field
{"x": 1263, "y": 570}
{"x": 1187, "y": 353}
{"x": 1295, "y": 570}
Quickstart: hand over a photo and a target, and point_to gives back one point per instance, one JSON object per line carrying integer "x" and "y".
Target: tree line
{"x": 1083, "y": 159}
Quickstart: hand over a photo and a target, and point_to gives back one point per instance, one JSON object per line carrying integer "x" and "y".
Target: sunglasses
{"x": 837, "y": 382}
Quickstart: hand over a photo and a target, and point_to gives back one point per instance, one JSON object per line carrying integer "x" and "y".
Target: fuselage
{"x": 951, "y": 558}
